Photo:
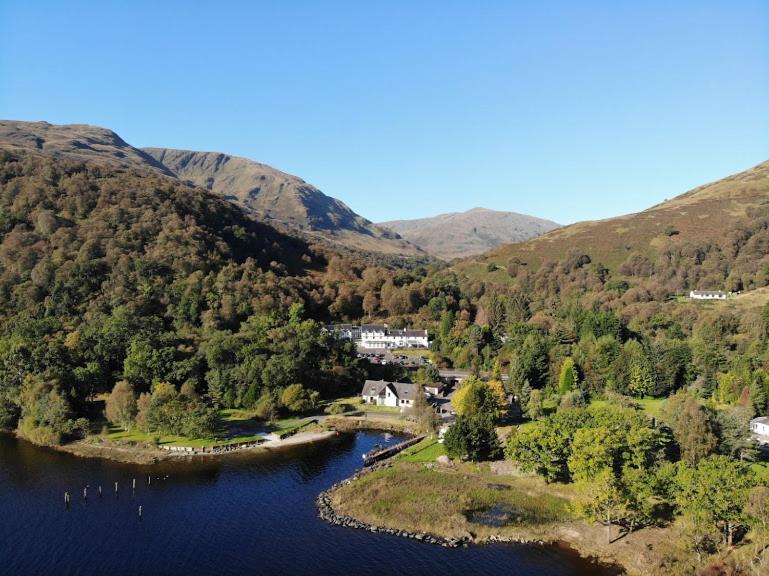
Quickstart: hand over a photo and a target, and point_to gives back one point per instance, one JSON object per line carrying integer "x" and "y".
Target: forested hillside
{"x": 266, "y": 194}
{"x": 109, "y": 275}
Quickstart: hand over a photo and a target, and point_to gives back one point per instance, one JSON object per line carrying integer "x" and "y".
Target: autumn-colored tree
{"x": 120, "y": 406}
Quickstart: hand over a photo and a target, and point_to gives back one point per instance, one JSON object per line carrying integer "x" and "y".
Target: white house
{"x": 396, "y": 394}
{"x": 708, "y": 295}
{"x": 402, "y": 395}
{"x": 760, "y": 429}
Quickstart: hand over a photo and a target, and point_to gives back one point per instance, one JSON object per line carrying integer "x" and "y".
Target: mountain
{"x": 267, "y": 194}
{"x": 462, "y": 234}
{"x": 77, "y": 141}
{"x": 280, "y": 198}
{"x": 674, "y": 231}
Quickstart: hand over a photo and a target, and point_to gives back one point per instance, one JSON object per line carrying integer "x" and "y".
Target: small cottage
{"x": 760, "y": 429}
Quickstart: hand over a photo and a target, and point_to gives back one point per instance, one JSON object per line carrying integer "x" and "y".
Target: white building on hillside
{"x": 760, "y": 429}
{"x": 708, "y": 295}
{"x": 380, "y": 336}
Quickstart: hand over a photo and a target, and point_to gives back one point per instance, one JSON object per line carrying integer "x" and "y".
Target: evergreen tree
{"x": 567, "y": 380}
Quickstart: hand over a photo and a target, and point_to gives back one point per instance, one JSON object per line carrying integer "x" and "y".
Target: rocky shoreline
{"x": 327, "y": 513}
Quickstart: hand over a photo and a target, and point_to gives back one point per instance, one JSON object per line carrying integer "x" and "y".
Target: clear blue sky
{"x": 565, "y": 110}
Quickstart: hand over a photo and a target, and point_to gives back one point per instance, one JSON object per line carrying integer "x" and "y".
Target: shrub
{"x": 338, "y": 408}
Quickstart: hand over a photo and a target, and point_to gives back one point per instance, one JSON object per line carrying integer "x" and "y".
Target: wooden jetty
{"x": 381, "y": 453}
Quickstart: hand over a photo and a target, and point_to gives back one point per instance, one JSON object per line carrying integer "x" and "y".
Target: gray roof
{"x": 761, "y": 420}
{"x": 409, "y": 333}
{"x": 403, "y": 390}
{"x": 709, "y": 292}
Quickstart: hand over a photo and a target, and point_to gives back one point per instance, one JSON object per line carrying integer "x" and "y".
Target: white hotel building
{"x": 380, "y": 336}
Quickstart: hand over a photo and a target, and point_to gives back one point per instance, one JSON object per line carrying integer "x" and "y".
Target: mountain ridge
{"x": 463, "y": 234}
{"x": 267, "y": 194}
{"x": 277, "y": 196}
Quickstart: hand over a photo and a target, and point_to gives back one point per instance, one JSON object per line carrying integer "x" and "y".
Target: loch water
{"x": 245, "y": 514}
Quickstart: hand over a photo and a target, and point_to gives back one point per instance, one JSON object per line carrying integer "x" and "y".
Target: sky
{"x": 563, "y": 110}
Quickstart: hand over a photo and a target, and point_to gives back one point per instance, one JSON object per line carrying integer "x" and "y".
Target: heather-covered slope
{"x": 703, "y": 216}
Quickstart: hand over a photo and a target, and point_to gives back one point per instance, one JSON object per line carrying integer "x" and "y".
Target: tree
{"x": 729, "y": 388}
{"x": 759, "y": 399}
{"x": 603, "y": 500}
{"x": 45, "y": 412}
{"x": 423, "y": 412}
{"x": 757, "y": 506}
{"x": 641, "y": 377}
{"x": 474, "y": 437}
{"x": 296, "y": 398}
{"x": 592, "y": 452}
{"x": 535, "y": 406}
{"x": 715, "y": 490}
{"x": 120, "y": 407}
{"x": 692, "y": 427}
{"x": 733, "y": 433}
{"x": 427, "y": 374}
{"x": 476, "y": 397}
{"x": 567, "y": 380}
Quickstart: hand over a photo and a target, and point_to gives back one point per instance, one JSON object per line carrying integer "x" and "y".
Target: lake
{"x": 240, "y": 515}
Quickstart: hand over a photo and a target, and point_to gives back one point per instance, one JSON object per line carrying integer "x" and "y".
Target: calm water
{"x": 240, "y": 515}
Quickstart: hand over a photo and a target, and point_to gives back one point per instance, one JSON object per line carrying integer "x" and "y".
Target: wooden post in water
{"x": 115, "y": 487}
{"x": 140, "y": 512}
{"x": 99, "y": 490}
{"x": 66, "y": 500}
{"x": 85, "y": 493}
{"x": 134, "y": 485}
{"x": 149, "y": 480}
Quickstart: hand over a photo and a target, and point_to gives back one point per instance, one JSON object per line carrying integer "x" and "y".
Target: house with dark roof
{"x": 396, "y": 394}
{"x": 402, "y": 395}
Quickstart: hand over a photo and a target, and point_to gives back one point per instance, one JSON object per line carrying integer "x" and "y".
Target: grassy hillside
{"x": 459, "y": 235}
{"x": 703, "y": 215}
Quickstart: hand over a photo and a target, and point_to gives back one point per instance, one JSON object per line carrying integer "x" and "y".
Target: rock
{"x": 443, "y": 459}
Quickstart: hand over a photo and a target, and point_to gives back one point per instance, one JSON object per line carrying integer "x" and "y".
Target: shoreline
{"x": 147, "y": 455}
{"x": 563, "y": 536}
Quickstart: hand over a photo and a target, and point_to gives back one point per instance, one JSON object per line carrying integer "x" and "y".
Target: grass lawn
{"x": 357, "y": 403}
{"x": 238, "y": 426}
{"x": 425, "y": 451}
{"x": 649, "y": 405}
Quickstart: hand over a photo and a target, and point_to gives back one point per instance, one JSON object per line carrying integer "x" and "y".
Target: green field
{"x": 237, "y": 426}
{"x": 357, "y": 403}
{"x": 425, "y": 451}
{"x": 649, "y": 405}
